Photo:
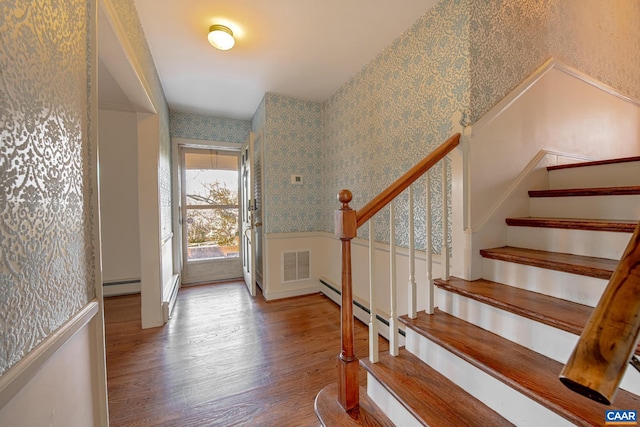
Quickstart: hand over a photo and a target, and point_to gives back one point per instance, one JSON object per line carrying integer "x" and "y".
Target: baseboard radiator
{"x": 170, "y": 298}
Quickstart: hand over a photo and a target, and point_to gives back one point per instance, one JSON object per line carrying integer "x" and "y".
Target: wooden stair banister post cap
{"x": 348, "y": 366}
{"x": 345, "y": 217}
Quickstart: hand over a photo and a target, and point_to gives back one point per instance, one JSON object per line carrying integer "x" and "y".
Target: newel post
{"x": 348, "y": 381}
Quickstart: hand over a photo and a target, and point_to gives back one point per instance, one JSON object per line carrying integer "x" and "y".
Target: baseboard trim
{"x": 121, "y": 287}
{"x": 12, "y": 381}
{"x": 356, "y": 304}
{"x": 292, "y": 293}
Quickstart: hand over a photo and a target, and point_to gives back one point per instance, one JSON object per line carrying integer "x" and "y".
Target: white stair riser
{"x": 393, "y": 409}
{"x": 511, "y": 404}
{"x": 602, "y": 244}
{"x": 625, "y": 207}
{"x": 549, "y": 341}
{"x": 571, "y": 287}
{"x": 611, "y": 175}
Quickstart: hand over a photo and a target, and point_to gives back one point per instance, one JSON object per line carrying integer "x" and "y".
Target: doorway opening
{"x": 210, "y": 215}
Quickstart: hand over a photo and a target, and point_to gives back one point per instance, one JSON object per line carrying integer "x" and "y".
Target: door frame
{"x": 178, "y": 144}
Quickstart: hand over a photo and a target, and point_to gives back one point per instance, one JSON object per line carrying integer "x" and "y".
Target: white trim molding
{"x": 12, "y": 381}
{"x": 530, "y": 81}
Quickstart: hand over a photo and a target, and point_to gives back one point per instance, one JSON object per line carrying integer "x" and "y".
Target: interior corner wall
{"x": 119, "y": 200}
{"x": 292, "y": 146}
{"x": 509, "y": 42}
{"x": 393, "y": 113}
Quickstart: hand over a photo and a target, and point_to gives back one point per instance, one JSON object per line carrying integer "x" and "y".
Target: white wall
{"x": 39, "y": 389}
{"x": 553, "y": 116}
{"x": 119, "y": 200}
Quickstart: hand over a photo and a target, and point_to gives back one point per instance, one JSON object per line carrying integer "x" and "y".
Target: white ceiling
{"x": 306, "y": 49}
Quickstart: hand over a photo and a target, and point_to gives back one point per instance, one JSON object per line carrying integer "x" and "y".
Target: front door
{"x": 210, "y": 213}
{"x": 247, "y": 213}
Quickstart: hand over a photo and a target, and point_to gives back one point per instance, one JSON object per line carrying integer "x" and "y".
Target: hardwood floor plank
{"x": 224, "y": 359}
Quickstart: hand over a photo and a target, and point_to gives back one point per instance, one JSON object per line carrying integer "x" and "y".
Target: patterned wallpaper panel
{"x": 509, "y": 40}
{"x": 208, "y": 128}
{"x": 292, "y": 146}
{"x": 46, "y": 255}
{"x": 394, "y": 112}
{"x": 601, "y": 39}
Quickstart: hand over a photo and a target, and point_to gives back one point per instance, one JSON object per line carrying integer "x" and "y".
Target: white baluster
{"x": 428, "y": 249}
{"x": 393, "y": 321}
{"x": 412, "y": 307}
{"x": 373, "y": 324}
{"x": 445, "y": 220}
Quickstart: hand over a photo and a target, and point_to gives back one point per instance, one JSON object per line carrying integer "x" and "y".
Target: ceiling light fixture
{"x": 221, "y": 37}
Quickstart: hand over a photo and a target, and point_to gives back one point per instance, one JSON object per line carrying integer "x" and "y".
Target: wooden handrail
{"x": 608, "y": 341}
{"x": 402, "y": 183}
{"x": 347, "y": 221}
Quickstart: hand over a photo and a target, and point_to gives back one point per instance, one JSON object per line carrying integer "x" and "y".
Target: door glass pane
{"x": 211, "y": 195}
{"x": 212, "y": 233}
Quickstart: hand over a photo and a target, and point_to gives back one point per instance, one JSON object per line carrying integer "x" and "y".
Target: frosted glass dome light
{"x": 221, "y": 37}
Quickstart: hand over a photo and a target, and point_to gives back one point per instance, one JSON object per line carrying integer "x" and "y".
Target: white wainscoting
{"x": 326, "y": 263}
{"x": 55, "y": 384}
{"x": 360, "y": 272}
{"x": 274, "y": 285}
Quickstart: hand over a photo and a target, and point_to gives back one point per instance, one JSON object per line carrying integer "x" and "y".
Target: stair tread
{"x": 575, "y": 224}
{"x": 601, "y": 268}
{"x": 566, "y": 315}
{"x": 594, "y": 163}
{"x": 592, "y": 191}
{"x": 428, "y": 395}
{"x": 330, "y": 413}
{"x": 531, "y": 373}
{"x": 562, "y": 314}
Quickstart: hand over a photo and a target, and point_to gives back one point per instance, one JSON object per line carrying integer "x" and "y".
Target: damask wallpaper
{"x": 509, "y": 40}
{"x": 208, "y": 128}
{"x": 47, "y": 268}
{"x": 292, "y": 146}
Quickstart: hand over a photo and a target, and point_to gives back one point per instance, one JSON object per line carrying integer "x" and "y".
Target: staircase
{"x": 492, "y": 352}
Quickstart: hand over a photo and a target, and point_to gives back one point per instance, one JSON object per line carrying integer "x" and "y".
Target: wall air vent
{"x": 295, "y": 266}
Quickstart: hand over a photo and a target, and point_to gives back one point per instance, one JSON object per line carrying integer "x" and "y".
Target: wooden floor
{"x": 224, "y": 359}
